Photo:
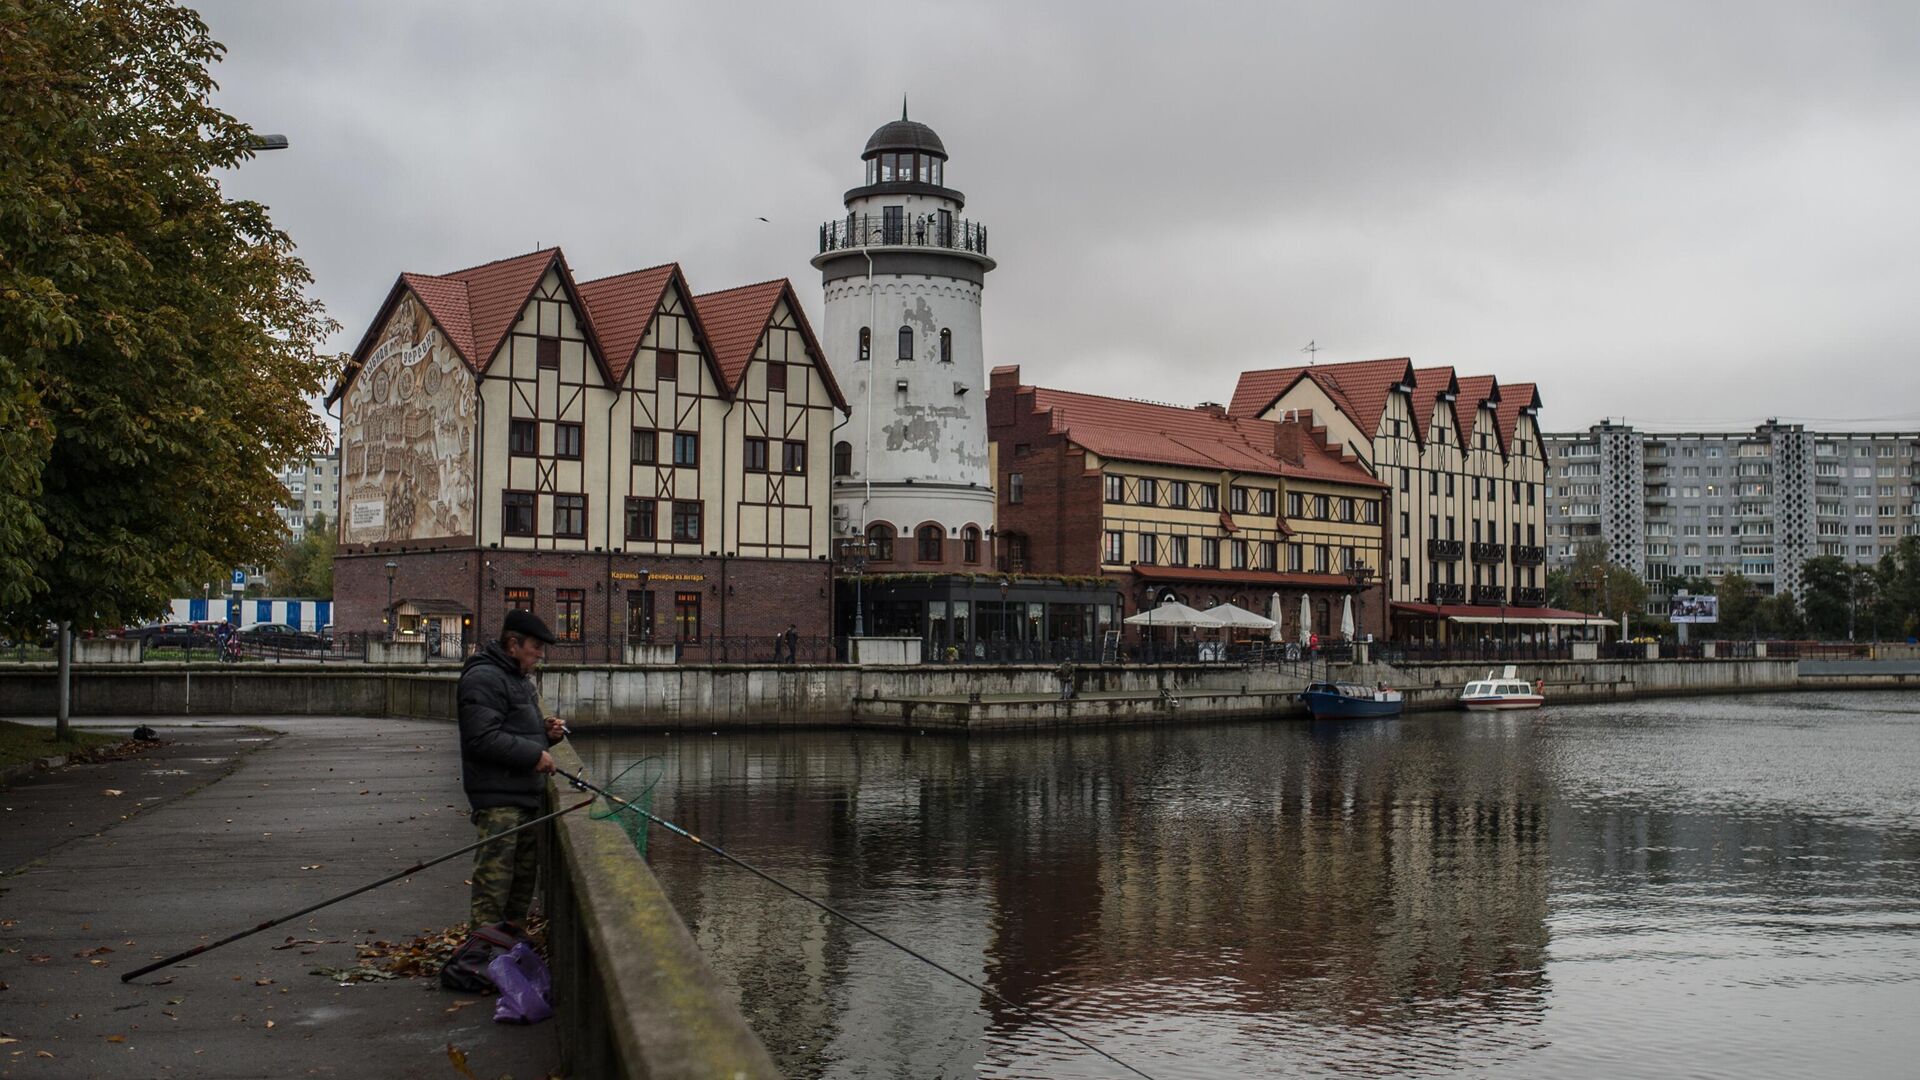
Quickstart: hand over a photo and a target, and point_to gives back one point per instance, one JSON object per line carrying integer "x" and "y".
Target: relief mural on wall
{"x": 406, "y": 437}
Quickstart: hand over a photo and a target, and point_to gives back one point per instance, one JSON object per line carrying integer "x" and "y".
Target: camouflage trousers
{"x": 504, "y": 871}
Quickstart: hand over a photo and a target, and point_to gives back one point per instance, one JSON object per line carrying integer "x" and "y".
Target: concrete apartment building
{"x": 312, "y": 487}
{"x": 1706, "y": 504}
{"x": 1463, "y": 465}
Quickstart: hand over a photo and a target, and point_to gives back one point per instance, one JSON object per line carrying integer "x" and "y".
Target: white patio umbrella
{"x": 1234, "y": 615}
{"x": 1176, "y": 614}
{"x": 1275, "y": 632}
{"x": 1346, "y": 617}
{"x": 1306, "y": 620}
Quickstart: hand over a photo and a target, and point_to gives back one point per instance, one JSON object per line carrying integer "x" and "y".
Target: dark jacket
{"x": 502, "y": 733}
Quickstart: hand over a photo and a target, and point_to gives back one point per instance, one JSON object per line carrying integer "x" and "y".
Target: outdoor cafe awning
{"x": 1476, "y": 614}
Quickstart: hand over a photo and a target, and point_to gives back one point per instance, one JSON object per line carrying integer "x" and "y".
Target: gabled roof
{"x": 1168, "y": 434}
{"x": 622, "y": 307}
{"x": 1360, "y": 389}
{"x": 736, "y": 319}
{"x": 1428, "y": 384}
{"x": 1515, "y": 398}
{"x": 1475, "y": 391}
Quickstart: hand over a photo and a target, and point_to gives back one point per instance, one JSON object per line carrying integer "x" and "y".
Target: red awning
{"x": 1494, "y": 613}
{"x": 1259, "y": 579}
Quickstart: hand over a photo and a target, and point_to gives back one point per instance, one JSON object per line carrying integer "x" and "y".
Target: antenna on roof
{"x": 1313, "y": 352}
{"x": 903, "y": 106}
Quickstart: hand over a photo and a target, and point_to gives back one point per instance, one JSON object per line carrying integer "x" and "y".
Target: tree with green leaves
{"x": 1594, "y": 584}
{"x": 157, "y": 346}
{"x": 1739, "y": 606}
{"x": 1826, "y": 596}
{"x": 306, "y": 564}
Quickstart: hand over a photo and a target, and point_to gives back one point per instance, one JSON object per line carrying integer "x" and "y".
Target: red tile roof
{"x": 1515, "y": 398}
{"x": 1475, "y": 391}
{"x": 736, "y": 319}
{"x": 1171, "y": 435}
{"x": 1429, "y": 383}
{"x": 1360, "y": 388}
{"x": 622, "y": 307}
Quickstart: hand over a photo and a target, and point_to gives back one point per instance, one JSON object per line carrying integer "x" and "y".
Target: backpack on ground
{"x": 466, "y": 969}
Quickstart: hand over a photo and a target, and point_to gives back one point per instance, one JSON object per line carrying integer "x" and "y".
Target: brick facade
{"x": 1055, "y": 527}
{"x": 750, "y": 599}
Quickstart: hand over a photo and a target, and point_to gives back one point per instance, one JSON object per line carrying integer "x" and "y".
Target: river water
{"x": 1709, "y": 887}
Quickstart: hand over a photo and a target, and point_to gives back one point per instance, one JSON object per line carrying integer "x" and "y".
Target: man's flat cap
{"x": 526, "y": 622}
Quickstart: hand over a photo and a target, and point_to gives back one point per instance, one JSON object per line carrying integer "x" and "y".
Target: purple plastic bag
{"x": 526, "y": 987}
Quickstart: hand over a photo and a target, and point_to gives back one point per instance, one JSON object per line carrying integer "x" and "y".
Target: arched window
{"x": 970, "y": 543}
{"x": 843, "y": 458}
{"x": 932, "y": 538}
{"x": 946, "y": 346}
{"x": 866, "y": 343}
{"x": 880, "y": 541}
{"x": 906, "y": 343}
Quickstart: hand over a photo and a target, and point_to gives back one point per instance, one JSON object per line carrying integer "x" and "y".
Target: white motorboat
{"x": 1504, "y": 691}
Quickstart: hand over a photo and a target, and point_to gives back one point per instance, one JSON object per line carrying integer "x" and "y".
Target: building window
{"x": 1208, "y": 496}
{"x": 1237, "y": 499}
{"x": 880, "y": 541}
{"x": 686, "y": 448}
{"x": 1268, "y": 500}
{"x": 516, "y": 513}
{"x": 519, "y": 599}
{"x": 1320, "y": 508}
{"x": 1320, "y": 558}
{"x": 1017, "y": 487}
{"x": 1209, "y": 551}
{"x": 546, "y": 352}
{"x": 970, "y": 544}
{"x": 1404, "y": 474}
{"x": 906, "y": 343}
{"x": 776, "y": 378}
{"x": 754, "y": 457}
{"x": 523, "y": 438}
{"x": 1449, "y": 485}
{"x": 666, "y": 365}
{"x": 1149, "y": 491}
{"x": 1237, "y": 551}
{"x": 1346, "y": 509}
{"x": 1269, "y": 554}
{"x": 1296, "y": 504}
{"x": 1176, "y": 551}
{"x": 686, "y": 616}
{"x": 1295, "y": 558}
{"x": 686, "y": 521}
{"x": 646, "y": 446}
{"x": 843, "y": 459}
{"x": 570, "y": 516}
{"x": 566, "y": 441}
{"x": 1406, "y": 572}
{"x": 1177, "y": 494}
{"x": 1116, "y": 489}
{"x": 793, "y": 457}
{"x": 640, "y": 524}
{"x": 1146, "y": 545}
{"x": 946, "y": 346}
{"x": 1113, "y": 547}
{"x": 866, "y": 343}
{"x": 931, "y": 539}
{"x": 569, "y": 605}
{"x": 1433, "y": 483}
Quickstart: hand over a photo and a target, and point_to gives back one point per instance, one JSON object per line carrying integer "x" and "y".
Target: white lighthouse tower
{"x": 903, "y": 274}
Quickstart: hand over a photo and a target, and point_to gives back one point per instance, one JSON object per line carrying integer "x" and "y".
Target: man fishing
{"x": 503, "y": 756}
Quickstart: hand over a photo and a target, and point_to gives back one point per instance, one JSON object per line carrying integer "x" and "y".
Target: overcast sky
{"x": 1681, "y": 213}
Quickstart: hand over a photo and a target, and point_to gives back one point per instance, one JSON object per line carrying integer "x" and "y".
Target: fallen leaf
{"x": 44, "y": 1054}
{"x": 98, "y": 963}
{"x": 454, "y": 1054}
{"x": 41, "y": 959}
{"x": 458, "y": 1005}
{"x": 315, "y": 866}
{"x": 116, "y": 1038}
{"x": 5, "y": 1039}
{"x": 269, "y": 1023}
{"x": 112, "y": 791}
{"x": 263, "y": 982}
{"x": 98, "y": 951}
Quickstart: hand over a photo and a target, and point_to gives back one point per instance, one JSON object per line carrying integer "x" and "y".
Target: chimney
{"x": 1290, "y": 438}
{"x": 1212, "y": 408}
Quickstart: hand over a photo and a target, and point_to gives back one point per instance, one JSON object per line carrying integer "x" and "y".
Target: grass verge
{"x": 21, "y": 743}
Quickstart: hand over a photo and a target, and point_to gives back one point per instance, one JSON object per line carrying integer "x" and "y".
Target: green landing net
{"x": 633, "y": 788}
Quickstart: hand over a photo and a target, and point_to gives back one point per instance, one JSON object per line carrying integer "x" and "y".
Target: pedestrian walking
{"x": 791, "y": 638}
{"x": 1065, "y": 674}
{"x": 503, "y": 754}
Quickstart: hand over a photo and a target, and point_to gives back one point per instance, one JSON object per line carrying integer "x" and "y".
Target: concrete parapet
{"x": 1586, "y": 650}
{"x": 652, "y": 655}
{"x": 106, "y": 650}
{"x": 634, "y": 994}
{"x": 877, "y": 651}
{"x": 396, "y": 652}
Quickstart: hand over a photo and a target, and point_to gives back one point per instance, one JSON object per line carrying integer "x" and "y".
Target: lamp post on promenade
{"x": 392, "y": 568}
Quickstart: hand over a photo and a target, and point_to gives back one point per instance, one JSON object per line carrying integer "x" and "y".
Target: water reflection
{"x": 1565, "y": 894}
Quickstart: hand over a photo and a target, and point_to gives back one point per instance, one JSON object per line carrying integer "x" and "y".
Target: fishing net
{"x": 628, "y": 794}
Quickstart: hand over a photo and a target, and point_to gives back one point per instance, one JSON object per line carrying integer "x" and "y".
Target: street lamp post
{"x": 392, "y": 568}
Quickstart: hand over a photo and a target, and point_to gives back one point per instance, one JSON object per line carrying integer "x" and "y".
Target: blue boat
{"x": 1343, "y": 701}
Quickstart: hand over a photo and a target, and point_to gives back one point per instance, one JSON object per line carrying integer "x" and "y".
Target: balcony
{"x": 1446, "y": 550}
{"x": 1529, "y": 597}
{"x": 1447, "y": 594}
{"x": 1489, "y": 553}
{"x": 1529, "y": 555}
{"x": 1489, "y": 594}
{"x": 856, "y": 231}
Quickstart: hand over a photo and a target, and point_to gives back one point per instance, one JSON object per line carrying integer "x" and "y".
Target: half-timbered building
{"x": 637, "y": 464}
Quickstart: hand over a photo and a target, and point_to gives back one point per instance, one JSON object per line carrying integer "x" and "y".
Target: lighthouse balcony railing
{"x": 925, "y": 231}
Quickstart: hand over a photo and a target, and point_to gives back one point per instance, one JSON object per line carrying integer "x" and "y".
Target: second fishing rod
{"x": 631, "y": 806}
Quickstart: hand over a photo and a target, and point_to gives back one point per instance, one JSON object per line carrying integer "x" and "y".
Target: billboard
{"x": 1694, "y": 609}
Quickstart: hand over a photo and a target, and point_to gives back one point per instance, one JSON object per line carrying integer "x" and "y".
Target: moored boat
{"x": 1342, "y": 700}
{"x": 1502, "y": 692}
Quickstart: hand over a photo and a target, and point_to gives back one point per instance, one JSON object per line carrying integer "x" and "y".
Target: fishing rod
{"x": 408, "y": 872}
{"x": 625, "y": 804}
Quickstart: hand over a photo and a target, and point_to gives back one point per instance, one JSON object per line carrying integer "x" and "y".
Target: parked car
{"x": 281, "y": 636}
{"x": 174, "y": 635}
